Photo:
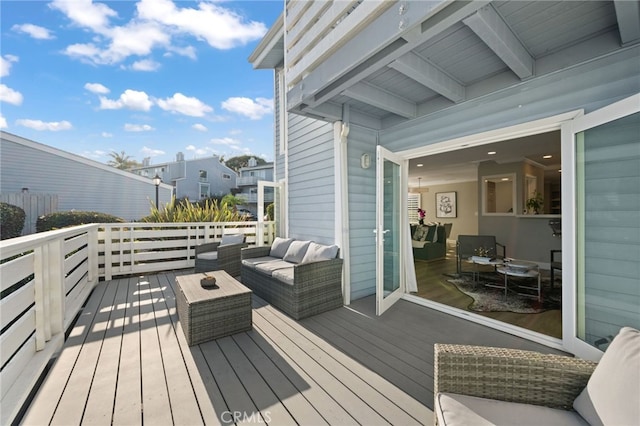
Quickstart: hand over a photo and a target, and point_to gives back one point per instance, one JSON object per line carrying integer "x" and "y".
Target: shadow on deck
{"x": 126, "y": 361}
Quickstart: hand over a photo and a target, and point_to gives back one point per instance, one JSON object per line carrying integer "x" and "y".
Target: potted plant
{"x": 535, "y": 203}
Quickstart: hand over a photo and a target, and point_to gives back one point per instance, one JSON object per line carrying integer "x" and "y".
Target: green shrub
{"x": 73, "y": 218}
{"x": 184, "y": 211}
{"x": 271, "y": 211}
{"x": 11, "y": 221}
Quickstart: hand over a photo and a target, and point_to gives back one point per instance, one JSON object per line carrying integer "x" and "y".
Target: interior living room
{"x": 499, "y": 240}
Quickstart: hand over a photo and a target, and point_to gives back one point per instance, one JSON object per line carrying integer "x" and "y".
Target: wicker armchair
{"x": 510, "y": 375}
{"x": 220, "y": 256}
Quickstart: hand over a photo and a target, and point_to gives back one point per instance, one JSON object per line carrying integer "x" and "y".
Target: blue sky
{"x": 148, "y": 77}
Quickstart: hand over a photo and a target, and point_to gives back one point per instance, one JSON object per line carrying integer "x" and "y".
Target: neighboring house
{"x": 195, "y": 179}
{"x": 248, "y": 183}
{"x": 363, "y": 89}
{"x": 77, "y": 182}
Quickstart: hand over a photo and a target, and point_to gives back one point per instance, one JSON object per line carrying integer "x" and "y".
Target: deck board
{"x": 127, "y": 361}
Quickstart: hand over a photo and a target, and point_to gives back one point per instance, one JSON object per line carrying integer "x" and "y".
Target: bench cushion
{"x": 269, "y": 267}
{"x": 296, "y": 251}
{"x": 284, "y": 275}
{"x": 209, "y": 255}
{"x": 613, "y": 391}
{"x": 280, "y": 246}
{"x": 253, "y": 261}
{"x": 453, "y": 409}
{"x": 318, "y": 252}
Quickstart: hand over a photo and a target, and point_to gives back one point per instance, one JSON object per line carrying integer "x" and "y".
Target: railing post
{"x": 56, "y": 286}
{"x": 108, "y": 261}
{"x": 49, "y": 291}
{"x": 92, "y": 237}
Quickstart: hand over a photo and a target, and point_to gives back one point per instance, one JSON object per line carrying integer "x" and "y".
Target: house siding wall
{"x": 189, "y": 186}
{"x": 78, "y": 184}
{"x": 589, "y": 86}
{"x": 362, "y": 208}
{"x": 311, "y": 180}
{"x": 279, "y": 158}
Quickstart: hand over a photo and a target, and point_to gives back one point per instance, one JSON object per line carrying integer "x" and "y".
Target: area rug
{"x": 488, "y": 299}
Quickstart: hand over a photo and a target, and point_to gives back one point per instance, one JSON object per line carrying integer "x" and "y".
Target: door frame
{"x": 606, "y": 114}
{"x": 544, "y": 125}
{"x": 382, "y": 154}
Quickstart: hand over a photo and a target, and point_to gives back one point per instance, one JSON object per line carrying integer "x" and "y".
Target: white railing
{"x": 45, "y": 278}
{"x": 316, "y": 29}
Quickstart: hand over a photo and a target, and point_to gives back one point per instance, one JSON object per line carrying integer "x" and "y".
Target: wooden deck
{"x": 126, "y": 361}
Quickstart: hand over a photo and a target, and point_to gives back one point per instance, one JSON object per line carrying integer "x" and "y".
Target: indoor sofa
{"x": 483, "y": 385}
{"x": 301, "y": 278}
{"x": 429, "y": 241}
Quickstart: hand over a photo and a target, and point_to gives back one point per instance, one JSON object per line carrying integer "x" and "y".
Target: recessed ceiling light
{"x": 419, "y": 165}
{"x": 505, "y": 179}
{"x": 491, "y": 153}
{"x": 547, "y": 156}
{"x": 560, "y": 171}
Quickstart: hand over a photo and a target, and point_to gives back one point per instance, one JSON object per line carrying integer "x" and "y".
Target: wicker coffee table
{"x": 207, "y": 314}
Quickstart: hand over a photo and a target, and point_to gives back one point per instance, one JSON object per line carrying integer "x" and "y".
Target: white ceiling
{"x": 462, "y": 165}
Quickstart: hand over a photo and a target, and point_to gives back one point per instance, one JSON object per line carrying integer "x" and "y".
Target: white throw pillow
{"x": 232, "y": 239}
{"x": 317, "y": 252}
{"x": 296, "y": 251}
{"x": 280, "y": 246}
{"x": 612, "y": 395}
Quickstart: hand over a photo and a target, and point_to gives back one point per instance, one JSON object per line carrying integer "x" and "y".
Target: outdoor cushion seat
{"x": 499, "y": 385}
{"x": 299, "y": 277}
{"x": 223, "y": 255}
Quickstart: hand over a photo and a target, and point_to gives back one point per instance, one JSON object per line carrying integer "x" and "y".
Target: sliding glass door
{"x": 604, "y": 289}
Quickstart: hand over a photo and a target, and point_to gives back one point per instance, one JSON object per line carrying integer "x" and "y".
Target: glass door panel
{"x": 391, "y": 220}
{"x": 606, "y": 295}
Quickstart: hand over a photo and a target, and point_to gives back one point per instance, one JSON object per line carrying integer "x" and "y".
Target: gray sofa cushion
{"x": 232, "y": 239}
{"x": 296, "y": 251}
{"x": 280, "y": 246}
{"x": 612, "y": 395}
{"x": 453, "y": 409}
{"x": 252, "y": 262}
{"x": 269, "y": 267}
{"x": 208, "y": 255}
{"x": 284, "y": 275}
{"x": 317, "y": 252}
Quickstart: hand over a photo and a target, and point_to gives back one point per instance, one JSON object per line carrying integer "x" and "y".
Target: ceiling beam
{"x": 427, "y": 74}
{"x": 378, "y": 44}
{"x": 496, "y": 34}
{"x": 628, "y": 14}
{"x": 372, "y": 95}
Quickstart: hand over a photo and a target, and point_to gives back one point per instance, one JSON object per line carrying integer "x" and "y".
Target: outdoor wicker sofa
{"x": 301, "y": 278}
{"x": 221, "y": 255}
{"x": 484, "y": 385}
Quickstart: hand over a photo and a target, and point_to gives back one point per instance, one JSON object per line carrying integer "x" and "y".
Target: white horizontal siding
{"x": 362, "y": 208}
{"x": 311, "y": 180}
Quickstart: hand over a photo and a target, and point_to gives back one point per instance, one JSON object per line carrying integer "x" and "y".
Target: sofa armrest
{"x": 321, "y": 271}
{"x": 251, "y": 252}
{"x": 510, "y": 375}
{"x": 230, "y": 251}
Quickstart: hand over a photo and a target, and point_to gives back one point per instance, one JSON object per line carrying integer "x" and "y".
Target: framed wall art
{"x": 446, "y": 204}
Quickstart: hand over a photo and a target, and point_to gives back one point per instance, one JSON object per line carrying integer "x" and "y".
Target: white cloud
{"x": 85, "y": 13}
{"x": 229, "y": 142}
{"x": 3, "y": 122}
{"x": 220, "y": 27}
{"x": 145, "y": 65}
{"x": 137, "y": 127}
{"x": 34, "y": 31}
{"x": 200, "y": 152}
{"x": 182, "y": 104}
{"x": 5, "y": 64}
{"x": 131, "y": 99}
{"x": 95, "y": 155}
{"x": 156, "y": 24}
{"x": 149, "y": 152}
{"x": 234, "y": 132}
{"x": 199, "y": 127}
{"x": 53, "y": 126}
{"x": 107, "y": 135}
{"x": 9, "y": 95}
{"x": 96, "y": 88}
{"x": 255, "y": 110}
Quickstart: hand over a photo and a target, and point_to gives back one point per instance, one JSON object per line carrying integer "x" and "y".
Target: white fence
{"x": 45, "y": 278}
{"x": 34, "y": 206}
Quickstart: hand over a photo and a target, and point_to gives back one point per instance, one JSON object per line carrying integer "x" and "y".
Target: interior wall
{"x": 467, "y": 206}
